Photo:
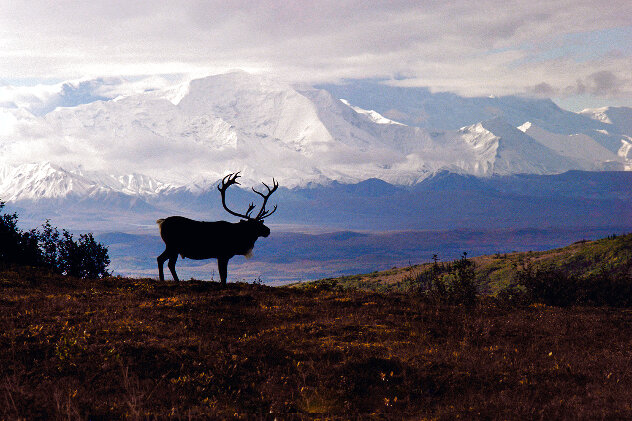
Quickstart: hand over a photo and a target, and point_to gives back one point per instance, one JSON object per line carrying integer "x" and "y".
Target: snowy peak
{"x": 139, "y": 184}
{"x": 585, "y": 151}
{"x": 374, "y": 116}
{"x": 130, "y": 184}
{"x": 443, "y": 111}
{"x": 619, "y": 118}
{"x": 599, "y": 114}
{"x": 42, "y": 180}
{"x": 501, "y": 149}
{"x": 519, "y": 153}
{"x": 259, "y": 108}
{"x": 49, "y": 181}
{"x": 479, "y": 137}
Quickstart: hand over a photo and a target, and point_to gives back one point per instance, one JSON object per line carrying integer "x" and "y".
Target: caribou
{"x": 218, "y": 239}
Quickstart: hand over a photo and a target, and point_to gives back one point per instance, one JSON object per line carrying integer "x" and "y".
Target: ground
{"x": 138, "y": 348}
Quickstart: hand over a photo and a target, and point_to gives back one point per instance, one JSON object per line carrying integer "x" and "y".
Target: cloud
{"x": 605, "y": 83}
{"x": 542, "y": 89}
{"x": 42, "y": 98}
{"x": 492, "y": 47}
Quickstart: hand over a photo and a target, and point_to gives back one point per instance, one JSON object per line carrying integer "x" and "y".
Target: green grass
{"x": 497, "y": 272}
{"x": 138, "y": 349}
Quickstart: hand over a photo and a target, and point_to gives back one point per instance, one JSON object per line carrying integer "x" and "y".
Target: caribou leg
{"x": 161, "y": 260}
{"x": 222, "y": 263}
{"x": 173, "y": 258}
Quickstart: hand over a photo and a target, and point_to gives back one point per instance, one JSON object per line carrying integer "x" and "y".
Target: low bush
{"x": 551, "y": 286}
{"x": 47, "y": 247}
{"x": 451, "y": 283}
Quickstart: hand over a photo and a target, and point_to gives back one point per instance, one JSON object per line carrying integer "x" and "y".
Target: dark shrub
{"x": 558, "y": 288}
{"x": 464, "y": 288}
{"x": 49, "y": 239}
{"x": 48, "y": 248}
{"x": 512, "y": 296}
{"x": 16, "y": 246}
{"x": 451, "y": 283}
{"x": 548, "y": 286}
{"x": 607, "y": 287}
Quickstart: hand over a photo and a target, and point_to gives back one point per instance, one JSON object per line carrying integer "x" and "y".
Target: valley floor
{"x": 121, "y": 348}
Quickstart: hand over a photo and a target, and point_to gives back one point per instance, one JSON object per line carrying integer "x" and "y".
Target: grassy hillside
{"x": 583, "y": 259}
{"x": 138, "y": 348}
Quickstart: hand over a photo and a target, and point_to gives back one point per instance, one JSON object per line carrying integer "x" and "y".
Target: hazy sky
{"x": 578, "y": 52}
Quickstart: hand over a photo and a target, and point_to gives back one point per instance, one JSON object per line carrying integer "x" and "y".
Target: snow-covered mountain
{"x": 87, "y": 142}
{"x": 616, "y": 134}
{"x": 48, "y": 181}
{"x": 43, "y": 180}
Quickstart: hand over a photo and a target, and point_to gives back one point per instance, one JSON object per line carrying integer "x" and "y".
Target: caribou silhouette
{"x": 219, "y": 239}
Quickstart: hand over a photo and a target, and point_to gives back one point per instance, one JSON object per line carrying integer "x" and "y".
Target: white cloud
{"x": 491, "y": 46}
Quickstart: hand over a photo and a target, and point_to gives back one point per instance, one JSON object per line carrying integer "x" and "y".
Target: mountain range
{"x": 142, "y": 149}
{"x": 191, "y": 135}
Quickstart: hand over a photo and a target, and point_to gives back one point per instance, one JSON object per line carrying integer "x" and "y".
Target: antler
{"x": 228, "y": 181}
{"x": 263, "y": 213}
{"x": 231, "y": 179}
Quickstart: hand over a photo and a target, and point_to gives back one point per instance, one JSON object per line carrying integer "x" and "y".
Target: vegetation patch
{"x": 121, "y": 348}
{"x": 604, "y": 264}
{"x": 46, "y": 247}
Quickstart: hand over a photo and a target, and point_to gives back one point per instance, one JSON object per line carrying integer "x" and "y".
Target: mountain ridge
{"x": 299, "y": 135}
{"x": 446, "y": 200}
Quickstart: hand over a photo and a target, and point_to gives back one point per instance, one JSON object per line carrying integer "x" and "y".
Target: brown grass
{"x": 124, "y": 348}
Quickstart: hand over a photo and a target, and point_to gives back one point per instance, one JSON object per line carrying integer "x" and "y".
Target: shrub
{"x": 92, "y": 257}
{"x": 49, "y": 239}
{"x": 47, "y": 247}
{"x": 607, "y": 287}
{"x": 548, "y": 286}
{"x": 512, "y": 296}
{"x": 462, "y": 288}
{"x": 327, "y": 285}
{"x": 452, "y": 283}
{"x": 17, "y": 246}
{"x": 556, "y": 287}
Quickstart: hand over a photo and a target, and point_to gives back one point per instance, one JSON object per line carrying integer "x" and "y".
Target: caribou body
{"x": 219, "y": 239}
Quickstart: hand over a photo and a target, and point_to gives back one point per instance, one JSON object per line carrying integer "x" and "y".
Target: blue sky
{"x": 577, "y": 52}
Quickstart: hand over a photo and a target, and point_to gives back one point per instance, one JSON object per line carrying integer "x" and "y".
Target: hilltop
{"x": 582, "y": 259}
{"x": 138, "y": 348}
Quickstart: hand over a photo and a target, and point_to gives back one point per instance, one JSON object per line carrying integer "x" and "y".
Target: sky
{"x": 577, "y": 52}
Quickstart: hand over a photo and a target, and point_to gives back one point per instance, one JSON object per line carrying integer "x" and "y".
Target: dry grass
{"x": 135, "y": 349}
